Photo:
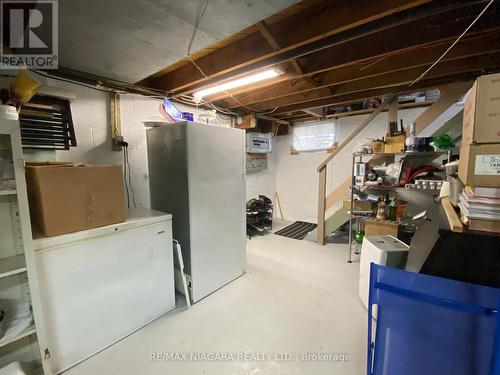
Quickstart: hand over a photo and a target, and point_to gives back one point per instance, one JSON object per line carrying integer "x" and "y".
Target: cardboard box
{"x": 479, "y": 165}
{"x": 394, "y": 144}
{"x": 378, "y": 147}
{"x": 359, "y": 205}
{"x": 481, "y": 122}
{"x": 66, "y": 198}
{"x": 375, "y": 227}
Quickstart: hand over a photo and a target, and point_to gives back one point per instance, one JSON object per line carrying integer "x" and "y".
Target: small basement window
{"x": 315, "y": 135}
{"x": 46, "y": 123}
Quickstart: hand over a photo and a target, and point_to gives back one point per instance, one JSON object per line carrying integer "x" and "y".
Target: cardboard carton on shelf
{"x": 481, "y": 123}
{"x": 360, "y": 205}
{"x": 479, "y": 165}
{"x": 374, "y": 227}
{"x": 65, "y": 197}
{"x": 394, "y": 144}
{"x": 378, "y": 147}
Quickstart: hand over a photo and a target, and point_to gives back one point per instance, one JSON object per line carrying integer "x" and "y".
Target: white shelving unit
{"x": 8, "y": 192}
{"x": 24, "y": 338}
{"x": 12, "y": 265}
{"x": 17, "y": 329}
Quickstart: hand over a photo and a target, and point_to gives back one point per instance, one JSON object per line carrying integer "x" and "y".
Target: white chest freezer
{"x": 102, "y": 284}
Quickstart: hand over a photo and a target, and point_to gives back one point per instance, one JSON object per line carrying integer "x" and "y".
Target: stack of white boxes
{"x": 479, "y": 167}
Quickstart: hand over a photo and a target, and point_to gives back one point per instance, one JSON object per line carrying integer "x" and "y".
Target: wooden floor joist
{"x": 336, "y": 53}
{"x": 375, "y": 93}
{"x": 478, "y": 46}
{"x": 324, "y": 19}
{"x": 457, "y": 67}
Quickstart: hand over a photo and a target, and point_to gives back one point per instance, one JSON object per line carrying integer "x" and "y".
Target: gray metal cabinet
{"x": 197, "y": 173}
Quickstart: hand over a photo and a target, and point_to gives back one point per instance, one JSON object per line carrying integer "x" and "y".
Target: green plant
{"x": 443, "y": 142}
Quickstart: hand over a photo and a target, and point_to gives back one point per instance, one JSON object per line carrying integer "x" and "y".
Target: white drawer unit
{"x": 383, "y": 250}
{"x": 103, "y": 284}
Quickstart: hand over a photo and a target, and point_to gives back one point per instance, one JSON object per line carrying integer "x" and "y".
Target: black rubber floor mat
{"x": 297, "y": 230}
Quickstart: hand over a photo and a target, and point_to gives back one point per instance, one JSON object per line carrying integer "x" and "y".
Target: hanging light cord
{"x": 196, "y": 26}
{"x": 125, "y": 176}
{"x": 188, "y": 55}
{"x": 127, "y": 179}
{"x": 130, "y": 178}
{"x": 453, "y": 44}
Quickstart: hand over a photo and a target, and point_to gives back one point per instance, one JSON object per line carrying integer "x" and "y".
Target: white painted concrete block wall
{"x": 134, "y": 109}
{"x": 296, "y": 180}
{"x": 263, "y": 182}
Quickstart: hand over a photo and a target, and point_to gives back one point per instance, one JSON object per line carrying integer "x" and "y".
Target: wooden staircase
{"x": 336, "y": 220}
{"x": 325, "y": 202}
{"x": 448, "y": 95}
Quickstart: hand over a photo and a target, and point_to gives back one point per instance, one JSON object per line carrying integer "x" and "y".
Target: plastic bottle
{"x": 381, "y": 208}
{"x": 393, "y": 210}
{"x": 411, "y": 139}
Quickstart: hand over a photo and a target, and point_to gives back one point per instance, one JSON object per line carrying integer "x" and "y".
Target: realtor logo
{"x": 29, "y": 34}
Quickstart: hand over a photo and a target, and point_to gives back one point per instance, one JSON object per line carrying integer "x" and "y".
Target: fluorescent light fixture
{"x": 266, "y": 74}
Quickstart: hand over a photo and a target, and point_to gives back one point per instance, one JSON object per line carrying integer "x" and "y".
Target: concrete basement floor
{"x": 296, "y": 297}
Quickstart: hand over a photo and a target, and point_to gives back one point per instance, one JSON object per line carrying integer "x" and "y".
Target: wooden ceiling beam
{"x": 261, "y": 26}
{"x": 445, "y": 7}
{"x": 407, "y": 36}
{"x": 299, "y": 116}
{"x": 325, "y": 19}
{"x": 387, "y": 42}
{"x": 263, "y": 29}
{"x": 271, "y": 118}
{"x": 476, "y": 45}
{"x": 406, "y": 76}
{"x": 316, "y": 112}
{"x": 358, "y": 112}
{"x": 375, "y": 93}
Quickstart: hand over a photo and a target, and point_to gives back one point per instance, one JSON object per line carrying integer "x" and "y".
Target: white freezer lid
{"x": 137, "y": 217}
{"x": 387, "y": 243}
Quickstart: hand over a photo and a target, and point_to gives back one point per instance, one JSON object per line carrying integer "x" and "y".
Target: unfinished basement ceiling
{"x": 129, "y": 41}
{"x": 340, "y": 56}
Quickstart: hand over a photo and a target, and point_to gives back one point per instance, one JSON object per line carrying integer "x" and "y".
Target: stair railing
{"x": 324, "y": 201}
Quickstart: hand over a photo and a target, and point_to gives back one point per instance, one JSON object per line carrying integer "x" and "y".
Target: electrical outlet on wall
{"x": 116, "y": 146}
